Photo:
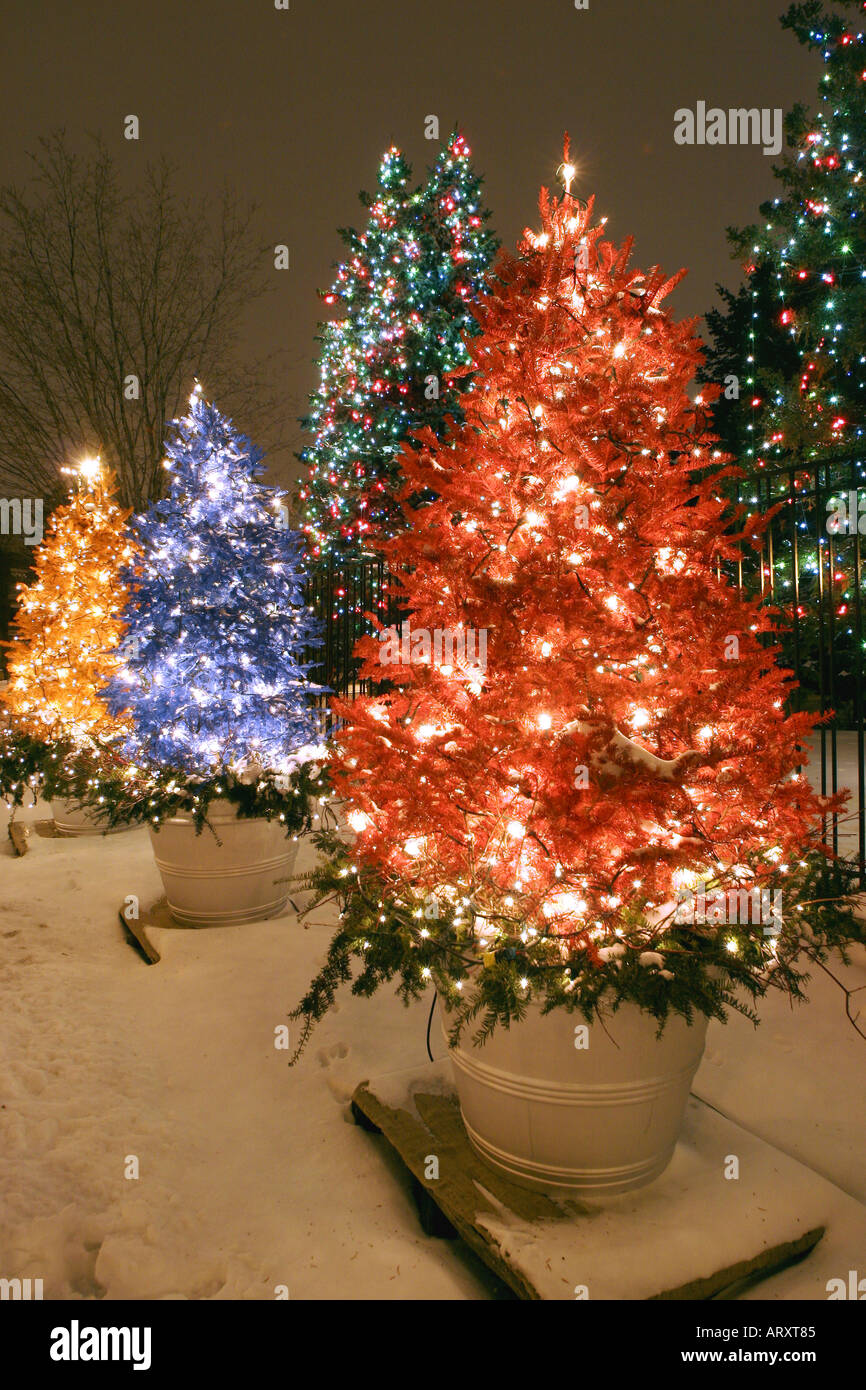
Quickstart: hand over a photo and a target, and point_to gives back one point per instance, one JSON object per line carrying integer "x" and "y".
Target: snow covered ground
{"x": 251, "y": 1175}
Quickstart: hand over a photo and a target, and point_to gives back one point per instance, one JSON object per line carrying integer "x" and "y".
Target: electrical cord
{"x": 429, "y": 1022}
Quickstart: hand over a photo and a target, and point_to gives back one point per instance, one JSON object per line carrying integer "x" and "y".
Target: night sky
{"x": 294, "y": 108}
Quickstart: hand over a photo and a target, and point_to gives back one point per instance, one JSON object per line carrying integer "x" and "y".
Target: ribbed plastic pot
{"x": 70, "y": 818}
{"x": 589, "y": 1120}
{"x": 227, "y": 879}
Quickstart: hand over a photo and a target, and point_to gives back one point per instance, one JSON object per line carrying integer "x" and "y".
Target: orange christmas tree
{"x": 615, "y": 716}
{"x": 582, "y": 724}
{"x": 68, "y": 631}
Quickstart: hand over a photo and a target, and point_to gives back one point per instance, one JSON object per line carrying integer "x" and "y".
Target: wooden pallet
{"x": 691, "y": 1234}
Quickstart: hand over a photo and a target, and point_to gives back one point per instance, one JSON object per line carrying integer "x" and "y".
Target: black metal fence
{"x": 810, "y": 566}
{"x": 345, "y": 595}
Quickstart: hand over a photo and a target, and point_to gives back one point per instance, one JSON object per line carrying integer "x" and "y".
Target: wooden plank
{"x": 46, "y": 830}
{"x": 136, "y": 930}
{"x": 545, "y": 1248}
{"x": 727, "y": 1283}
{"x": 19, "y": 835}
{"x": 453, "y": 1192}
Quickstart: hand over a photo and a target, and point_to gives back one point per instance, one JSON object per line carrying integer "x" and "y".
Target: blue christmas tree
{"x": 219, "y": 638}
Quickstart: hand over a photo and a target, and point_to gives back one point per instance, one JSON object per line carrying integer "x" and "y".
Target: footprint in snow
{"x": 336, "y": 1052}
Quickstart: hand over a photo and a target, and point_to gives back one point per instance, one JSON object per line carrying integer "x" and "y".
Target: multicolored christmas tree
{"x": 69, "y": 632}
{"x": 753, "y": 359}
{"x": 790, "y": 350}
{"x": 815, "y": 242}
{"x": 406, "y": 290}
{"x": 217, "y": 680}
{"x": 581, "y": 717}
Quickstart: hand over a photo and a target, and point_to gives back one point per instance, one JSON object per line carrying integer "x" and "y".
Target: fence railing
{"x": 810, "y": 566}
{"x": 343, "y": 594}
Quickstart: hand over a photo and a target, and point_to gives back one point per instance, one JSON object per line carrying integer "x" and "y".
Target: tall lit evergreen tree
{"x": 814, "y": 241}
{"x": 795, "y": 339}
{"x": 68, "y": 631}
{"x": 524, "y": 821}
{"x": 752, "y": 357}
{"x": 217, "y": 679}
{"x": 406, "y": 290}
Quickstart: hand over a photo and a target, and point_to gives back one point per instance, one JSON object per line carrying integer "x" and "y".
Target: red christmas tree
{"x": 583, "y": 710}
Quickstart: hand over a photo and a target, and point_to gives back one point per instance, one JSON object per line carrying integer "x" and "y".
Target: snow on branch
{"x": 626, "y": 752}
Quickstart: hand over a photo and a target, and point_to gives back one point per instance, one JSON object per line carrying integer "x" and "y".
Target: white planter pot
{"x": 588, "y": 1122}
{"x": 70, "y": 818}
{"x": 224, "y": 884}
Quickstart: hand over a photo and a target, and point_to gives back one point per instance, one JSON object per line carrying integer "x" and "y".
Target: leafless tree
{"x": 111, "y": 302}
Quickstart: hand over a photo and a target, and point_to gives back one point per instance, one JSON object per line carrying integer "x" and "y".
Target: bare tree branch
{"x": 99, "y": 284}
